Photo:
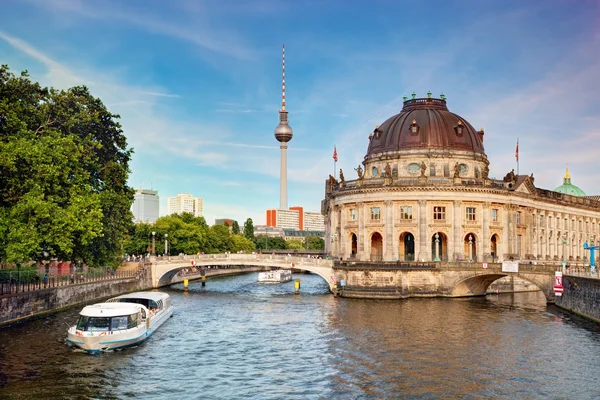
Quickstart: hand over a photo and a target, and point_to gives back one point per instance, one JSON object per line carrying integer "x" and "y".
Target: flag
{"x": 517, "y": 151}
{"x": 335, "y": 158}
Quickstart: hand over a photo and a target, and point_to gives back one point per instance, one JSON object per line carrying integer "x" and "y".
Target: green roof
{"x": 568, "y": 188}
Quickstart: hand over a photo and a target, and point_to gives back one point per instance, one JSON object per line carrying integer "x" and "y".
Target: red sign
{"x": 558, "y": 286}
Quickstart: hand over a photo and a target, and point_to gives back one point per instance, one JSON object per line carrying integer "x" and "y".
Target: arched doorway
{"x": 439, "y": 247}
{"x": 354, "y": 245}
{"x": 406, "y": 247}
{"x": 494, "y": 247}
{"x": 470, "y": 245}
{"x": 376, "y": 247}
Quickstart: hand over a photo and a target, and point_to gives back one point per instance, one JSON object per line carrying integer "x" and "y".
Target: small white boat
{"x": 120, "y": 322}
{"x": 277, "y": 276}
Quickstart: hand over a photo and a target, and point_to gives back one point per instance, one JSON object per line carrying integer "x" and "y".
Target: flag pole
{"x": 517, "y": 155}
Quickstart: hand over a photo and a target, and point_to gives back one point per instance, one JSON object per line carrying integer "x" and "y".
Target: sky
{"x": 198, "y": 84}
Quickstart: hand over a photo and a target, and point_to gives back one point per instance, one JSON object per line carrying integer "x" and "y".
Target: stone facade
{"x": 423, "y": 194}
{"x": 581, "y": 296}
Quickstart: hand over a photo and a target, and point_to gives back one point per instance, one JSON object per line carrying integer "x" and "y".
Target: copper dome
{"x": 425, "y": 123}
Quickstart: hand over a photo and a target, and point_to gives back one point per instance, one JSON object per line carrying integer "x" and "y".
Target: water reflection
{"x": 236, "y": 338}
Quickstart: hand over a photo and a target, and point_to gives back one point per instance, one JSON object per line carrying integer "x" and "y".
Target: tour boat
{"x": 278, "y": 276}
{"x": 120, "y": 322}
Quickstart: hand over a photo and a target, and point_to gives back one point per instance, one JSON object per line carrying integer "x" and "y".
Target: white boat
{"x": 277, "y": 276}
{"x": 120, "y": 322}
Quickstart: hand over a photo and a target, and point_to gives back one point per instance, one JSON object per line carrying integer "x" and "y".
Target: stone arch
{"x": 406, "y": 247}
{"x": 353, "y": 238}
{"x": 477, "y": 284}
{"x": 470, "y": 246}
{"x": 439, "y": 247}
{"x": 494, "y": 246}
{"x": 376, "y": 253}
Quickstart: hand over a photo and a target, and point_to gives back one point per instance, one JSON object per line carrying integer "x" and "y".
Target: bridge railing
{"x": 233, "y": 257}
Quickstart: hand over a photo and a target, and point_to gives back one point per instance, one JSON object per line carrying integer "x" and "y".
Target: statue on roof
{"x": 510, "y": 177}
{"x": 332, "y": 181}
{"x": 359, "y": 171}
{"x": 341, "y": 176}
{"x": 388, "y": 170}
{"x": 456, "y": 170}
{"x": 423, "y": 168}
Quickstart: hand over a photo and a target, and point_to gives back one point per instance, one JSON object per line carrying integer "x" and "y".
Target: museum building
{"x": 423, "y": 193}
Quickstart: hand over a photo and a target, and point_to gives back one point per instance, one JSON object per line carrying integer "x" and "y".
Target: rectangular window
{"x": 494, "y": 215}
{"x": 541, "y": 221}
{"x": 352, "y": 214}
{"x": 446, "y": 171}
{"x": 432, "y": 170}
{"x": 518, "y": 217}
{"x": 439, "y": 213}
{"x": 375, "y": 213}
{"x": 406, "y": 212}
{"x": 471, "y": 214}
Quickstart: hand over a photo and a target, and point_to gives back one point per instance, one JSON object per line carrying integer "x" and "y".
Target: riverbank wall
{"x": 16, "y": 307}
{"x": 581, "y": 296}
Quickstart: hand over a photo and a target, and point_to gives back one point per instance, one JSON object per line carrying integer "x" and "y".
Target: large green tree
{"x": 64, "y": 165}
{"x": 249, "y": 229}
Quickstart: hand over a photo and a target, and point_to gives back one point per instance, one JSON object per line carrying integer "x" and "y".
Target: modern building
{"x": 145, "y": 206}
{"x": 296, "y": 218}
{"x": 185, "y": 202}
{"x": 423, "y": 193}
{"x": 225, "y": 221}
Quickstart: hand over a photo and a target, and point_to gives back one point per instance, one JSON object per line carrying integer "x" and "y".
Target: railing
{"x": 14, "y": 285}
{"x": 584, "y": 272}
{"x": 233, "y": 257}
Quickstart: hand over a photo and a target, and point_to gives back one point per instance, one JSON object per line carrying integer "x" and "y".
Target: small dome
{"x": 568, "y": 188}
{"x": 425, "y": 123}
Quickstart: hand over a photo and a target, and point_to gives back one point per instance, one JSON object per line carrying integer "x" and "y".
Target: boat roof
{"x": 110, "y": 309}
{"x": 155, "y": 296}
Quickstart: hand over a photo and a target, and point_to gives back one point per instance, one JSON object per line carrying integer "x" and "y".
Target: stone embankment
{"x": 581, "y": 295}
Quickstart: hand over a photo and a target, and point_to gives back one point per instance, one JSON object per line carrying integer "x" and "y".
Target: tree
{"x": 249, "y": 229}
{"x": 294, "y": 244}
{"x": 315, "y": 243}
{"x": 235, "y": 228}
{"x": 242, "y": 243}
{"x": 64, "y": 165}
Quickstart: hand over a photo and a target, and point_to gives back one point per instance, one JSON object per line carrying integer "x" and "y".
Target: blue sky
{"x": 198, "y": 84}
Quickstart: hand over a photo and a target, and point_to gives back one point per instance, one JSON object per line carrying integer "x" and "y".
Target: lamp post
{"x": 153, "y": 243}
{"x": 166, "y": 244}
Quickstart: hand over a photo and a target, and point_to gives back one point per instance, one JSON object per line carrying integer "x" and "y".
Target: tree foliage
{"x": 249, "y": 229}
{"x": 235, "y": 228}
{"x": 64, "y": 165}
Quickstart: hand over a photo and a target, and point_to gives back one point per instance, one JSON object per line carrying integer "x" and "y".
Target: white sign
{"x": 510, "y": 266}
{"x": 558, "y": 284}
{"x": 484, "y": 265}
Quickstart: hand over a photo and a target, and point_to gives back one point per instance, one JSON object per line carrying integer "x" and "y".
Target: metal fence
{"x": 14, "y": 283}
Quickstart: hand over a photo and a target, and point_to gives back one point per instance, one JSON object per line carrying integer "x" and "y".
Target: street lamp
{"x": 166, "y": 244}
{"x": 153, "y": 243}
{"x": 437, "y": 247}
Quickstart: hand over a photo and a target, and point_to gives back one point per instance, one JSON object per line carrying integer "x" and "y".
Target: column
{"x": 552, "y": 237}
{"x": 506, "y": 233}
{"x": 457, "y": 238}
{"x": 360, "y": 245}
{"x": 423, "y": 242}
{"x": 389, "y": 238}
{"x": 484, "y": 249}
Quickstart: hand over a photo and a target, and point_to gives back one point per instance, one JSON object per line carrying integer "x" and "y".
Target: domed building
{"x": 568, "y": 188}
{"x": 423, "y": 193}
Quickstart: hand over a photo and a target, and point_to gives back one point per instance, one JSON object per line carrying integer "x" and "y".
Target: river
{"x": 236, "y": 339}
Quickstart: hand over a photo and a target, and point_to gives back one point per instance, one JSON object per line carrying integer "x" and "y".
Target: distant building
{"x": 185, "y": 202}
{"x": 296, "y": 218}
{"x": 225, "y": 221}
{"x": 145, "y": 207}
{"x": 264, "y": 230}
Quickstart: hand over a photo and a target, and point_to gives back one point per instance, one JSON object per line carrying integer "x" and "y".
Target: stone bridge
{"x": 394, "y": 280}
{"x": 164, "y": 269}
{"x": 373, "y": 280}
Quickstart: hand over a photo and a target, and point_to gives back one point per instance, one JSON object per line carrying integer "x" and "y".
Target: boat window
{"x": 98, "y": 324}
{"x": 133, "y": 321}
{"x": 119, "y": 323}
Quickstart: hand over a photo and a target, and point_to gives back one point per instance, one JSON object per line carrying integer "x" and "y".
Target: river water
{"x": 236, "y": 339}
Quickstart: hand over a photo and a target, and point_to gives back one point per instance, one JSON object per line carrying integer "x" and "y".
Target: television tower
{"x": 283, "y": 134}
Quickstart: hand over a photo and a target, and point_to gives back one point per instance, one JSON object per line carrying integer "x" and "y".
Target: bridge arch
{"x": 476, "y": 284}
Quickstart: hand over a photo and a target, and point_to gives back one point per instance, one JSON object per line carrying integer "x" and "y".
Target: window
{"x": 471, "y": 214}
{"x": 352, "y": 214}
{"x": 406, "y": 212}
{"x": 432, "y": 170}
{"x": 439, "y": 213}
{"x": 549, "y": 222}
{"x": 494, "y": 215}
{"x": 572, "y": 224}
{"x": 541, "y": 221}
{"x": 518, "y": 217}
{"x": 375, "y": 213}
